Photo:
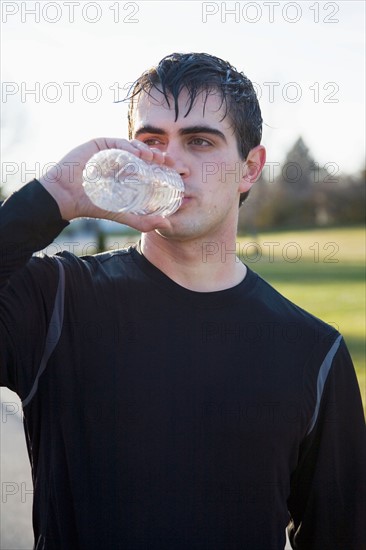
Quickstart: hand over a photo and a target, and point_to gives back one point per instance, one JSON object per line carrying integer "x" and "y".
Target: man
{"x": 172, "y": 399}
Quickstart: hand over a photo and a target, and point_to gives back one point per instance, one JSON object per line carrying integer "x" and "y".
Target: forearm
{"x": 327, "y": 501}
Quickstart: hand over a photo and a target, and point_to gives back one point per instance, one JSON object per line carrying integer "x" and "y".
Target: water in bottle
{"x": 118, "y": 181}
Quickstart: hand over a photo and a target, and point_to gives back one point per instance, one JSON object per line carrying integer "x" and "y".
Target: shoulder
{"x": 107, "y": 261}
{"x": 280, "y": 309}
{"x": 80, "y": 271}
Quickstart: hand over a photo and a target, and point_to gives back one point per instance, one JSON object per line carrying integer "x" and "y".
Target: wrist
{"x": 62, "y": 197}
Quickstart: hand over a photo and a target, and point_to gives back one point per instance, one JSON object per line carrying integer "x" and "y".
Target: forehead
{"x": 154, "y": 110}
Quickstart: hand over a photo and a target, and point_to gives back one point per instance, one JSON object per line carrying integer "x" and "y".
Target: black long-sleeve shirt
{"x": 160, "y": 418}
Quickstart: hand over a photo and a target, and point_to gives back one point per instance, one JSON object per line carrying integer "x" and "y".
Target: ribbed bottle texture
{"x": 117, "y": 181}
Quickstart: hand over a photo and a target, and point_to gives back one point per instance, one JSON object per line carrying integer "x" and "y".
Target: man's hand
{"x": 64, "y": 182}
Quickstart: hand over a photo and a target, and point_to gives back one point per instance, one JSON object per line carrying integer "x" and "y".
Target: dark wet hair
{"x": 197, "y": 72}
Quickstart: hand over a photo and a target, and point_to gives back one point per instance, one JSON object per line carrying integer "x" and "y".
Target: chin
{"x": 182, "y": 232}
{"x": 172, "y": 235}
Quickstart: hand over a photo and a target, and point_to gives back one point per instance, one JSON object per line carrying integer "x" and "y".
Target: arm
{"x": 30, "y": 219}
{"x": 327, "y": 501}
{"x": 64, "y": 183}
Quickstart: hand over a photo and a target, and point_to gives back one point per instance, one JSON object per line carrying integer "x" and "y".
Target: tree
{"x": 303, "y": 195}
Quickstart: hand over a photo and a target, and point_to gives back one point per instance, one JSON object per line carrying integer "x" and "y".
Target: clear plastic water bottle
{"x": 118, "y": 181}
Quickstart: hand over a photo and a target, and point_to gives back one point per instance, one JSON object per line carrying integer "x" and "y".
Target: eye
{"x": 200, "y": 142}
{"x": 152, "y": 141}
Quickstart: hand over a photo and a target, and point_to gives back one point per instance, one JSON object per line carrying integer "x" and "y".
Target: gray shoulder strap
{"x": 54, "y": 329}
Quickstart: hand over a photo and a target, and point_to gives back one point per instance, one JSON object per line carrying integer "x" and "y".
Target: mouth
{"x": 185, "y": 200}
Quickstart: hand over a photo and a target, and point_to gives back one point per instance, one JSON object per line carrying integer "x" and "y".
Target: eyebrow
{"x": 198, "y": 129}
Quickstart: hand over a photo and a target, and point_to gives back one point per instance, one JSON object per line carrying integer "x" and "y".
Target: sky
{"x": 65, "y": 63}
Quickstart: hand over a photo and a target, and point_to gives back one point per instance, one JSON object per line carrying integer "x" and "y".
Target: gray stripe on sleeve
{"x": 54, "y": 329}
{"x": 322, "y": 378}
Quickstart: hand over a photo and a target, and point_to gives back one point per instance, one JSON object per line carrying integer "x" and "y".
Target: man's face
{"x": 206, "y": 156}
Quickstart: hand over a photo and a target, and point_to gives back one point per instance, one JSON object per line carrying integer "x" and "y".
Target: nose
{"x": 179, "y": 156}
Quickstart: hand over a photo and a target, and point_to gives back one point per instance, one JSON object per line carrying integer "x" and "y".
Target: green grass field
{"x": 323, "y": 271}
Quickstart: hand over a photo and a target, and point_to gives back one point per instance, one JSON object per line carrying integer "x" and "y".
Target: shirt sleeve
{"x": 29, "y": 221}
{"x": 327, "y": 500}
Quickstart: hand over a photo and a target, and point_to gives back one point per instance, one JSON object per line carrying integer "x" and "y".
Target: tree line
{"x": 302, "y": 194}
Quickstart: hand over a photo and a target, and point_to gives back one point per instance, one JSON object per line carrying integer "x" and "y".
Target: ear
{"x": 253, "y": 167}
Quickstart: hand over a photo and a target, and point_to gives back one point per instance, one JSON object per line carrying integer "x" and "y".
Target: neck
{"x": 196, "y": 265}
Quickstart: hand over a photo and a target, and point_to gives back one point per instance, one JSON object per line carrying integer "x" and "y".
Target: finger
{"x": 139, "y": 149}
{"x": 168, "y": 160}
{"x": 145, "y": 152}
{"x": 152, "y": 154}
{"x": 124, "y": 145}
{"x": 158, "y": 156}
{"x": 161, "y": 157}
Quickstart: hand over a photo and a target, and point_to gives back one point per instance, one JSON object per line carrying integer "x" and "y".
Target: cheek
{"x": 227, "y": 175}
